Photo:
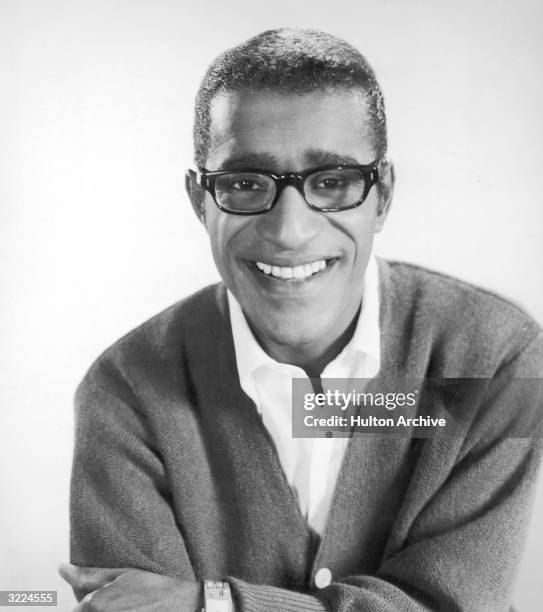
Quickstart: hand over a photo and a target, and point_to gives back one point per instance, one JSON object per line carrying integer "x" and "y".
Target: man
{"x": 185, "y": 467}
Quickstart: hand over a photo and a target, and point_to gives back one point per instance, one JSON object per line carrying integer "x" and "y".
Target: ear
{"x": 196, "y": 195}
{"x": 386, "y": 191}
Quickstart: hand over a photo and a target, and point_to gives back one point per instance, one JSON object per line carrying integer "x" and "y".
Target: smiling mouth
{"x": 294, "y": 273}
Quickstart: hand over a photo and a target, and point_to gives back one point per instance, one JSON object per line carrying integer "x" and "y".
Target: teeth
{"x": 297, "y": 272}
{"x": 286, "y": 272}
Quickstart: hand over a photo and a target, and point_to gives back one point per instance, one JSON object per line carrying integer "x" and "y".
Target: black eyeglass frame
{"x": 206, "y": 179}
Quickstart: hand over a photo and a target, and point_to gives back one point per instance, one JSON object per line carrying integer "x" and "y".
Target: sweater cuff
{"x": 262, "y": 598}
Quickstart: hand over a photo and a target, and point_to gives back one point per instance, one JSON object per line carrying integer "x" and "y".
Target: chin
{"x": 291, "y": 333}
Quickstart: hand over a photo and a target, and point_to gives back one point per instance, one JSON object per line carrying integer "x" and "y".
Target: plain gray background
{"x": 96, "y": 233}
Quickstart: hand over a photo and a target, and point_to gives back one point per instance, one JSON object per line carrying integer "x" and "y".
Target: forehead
{"x": 289, "y": 131}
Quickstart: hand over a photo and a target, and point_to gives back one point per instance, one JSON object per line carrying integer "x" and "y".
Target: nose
{"x": 291, "y": 223}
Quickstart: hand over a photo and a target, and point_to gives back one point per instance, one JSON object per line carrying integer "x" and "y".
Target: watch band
{"x": 217, "y": 596}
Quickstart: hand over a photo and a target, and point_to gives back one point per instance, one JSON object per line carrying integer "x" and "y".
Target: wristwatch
{"x": 217, "y": 596}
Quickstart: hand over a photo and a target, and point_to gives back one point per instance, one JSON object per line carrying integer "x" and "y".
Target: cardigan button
{"x": 323, "y": 578}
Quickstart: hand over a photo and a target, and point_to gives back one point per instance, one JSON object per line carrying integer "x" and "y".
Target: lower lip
{"x": 291, "y": 283}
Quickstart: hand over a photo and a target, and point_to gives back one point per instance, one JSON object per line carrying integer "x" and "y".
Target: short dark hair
{"x": 290, "y": 60}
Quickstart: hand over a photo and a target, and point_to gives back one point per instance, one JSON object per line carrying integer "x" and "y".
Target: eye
{"x": 245, "y": 185}
{"x": 329, "y": 182}
{"x": 337, "y": 180}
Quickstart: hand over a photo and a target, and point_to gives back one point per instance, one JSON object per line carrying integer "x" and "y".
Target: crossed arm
{"x": 128, "y": 588}
{"x": 136, "y": 556}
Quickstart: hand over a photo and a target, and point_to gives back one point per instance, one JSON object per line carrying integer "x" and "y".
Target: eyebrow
{"x": 250, "y": 160}
{"x": 321, "y": 157}
{"x": 268, "y": 161}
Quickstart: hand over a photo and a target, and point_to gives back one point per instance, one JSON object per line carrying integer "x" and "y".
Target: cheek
{"x": 225, "y": 236}
{"x": 359, "y": 224}
{"x": 217, "y": 232}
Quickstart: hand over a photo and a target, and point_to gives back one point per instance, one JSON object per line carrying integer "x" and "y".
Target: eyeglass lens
{"x": 252, "y": 192}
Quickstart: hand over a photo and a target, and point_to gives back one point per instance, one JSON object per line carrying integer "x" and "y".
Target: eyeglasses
{"x": 253, "y": 191}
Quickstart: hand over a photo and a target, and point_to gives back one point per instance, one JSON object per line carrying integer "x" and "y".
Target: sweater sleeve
{"x": 120, "y": 512}
{"x": 462, "y": 549}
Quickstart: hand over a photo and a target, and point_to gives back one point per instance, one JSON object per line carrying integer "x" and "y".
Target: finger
{"x": 88, "y": 578}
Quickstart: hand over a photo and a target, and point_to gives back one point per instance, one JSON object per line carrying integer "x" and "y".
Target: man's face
{"x": 283, "y": 133}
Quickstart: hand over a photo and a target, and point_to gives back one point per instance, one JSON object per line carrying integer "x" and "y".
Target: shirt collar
{"x": 366, "y": 338}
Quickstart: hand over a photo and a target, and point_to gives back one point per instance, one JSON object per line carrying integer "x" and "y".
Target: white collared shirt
{"x": 311, "y": 465}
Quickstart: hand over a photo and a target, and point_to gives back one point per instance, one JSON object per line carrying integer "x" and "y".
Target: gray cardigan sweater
{"x": 175, "y": 473}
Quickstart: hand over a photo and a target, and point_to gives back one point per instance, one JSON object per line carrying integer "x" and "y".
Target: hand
{"x": 131, "y": 590}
